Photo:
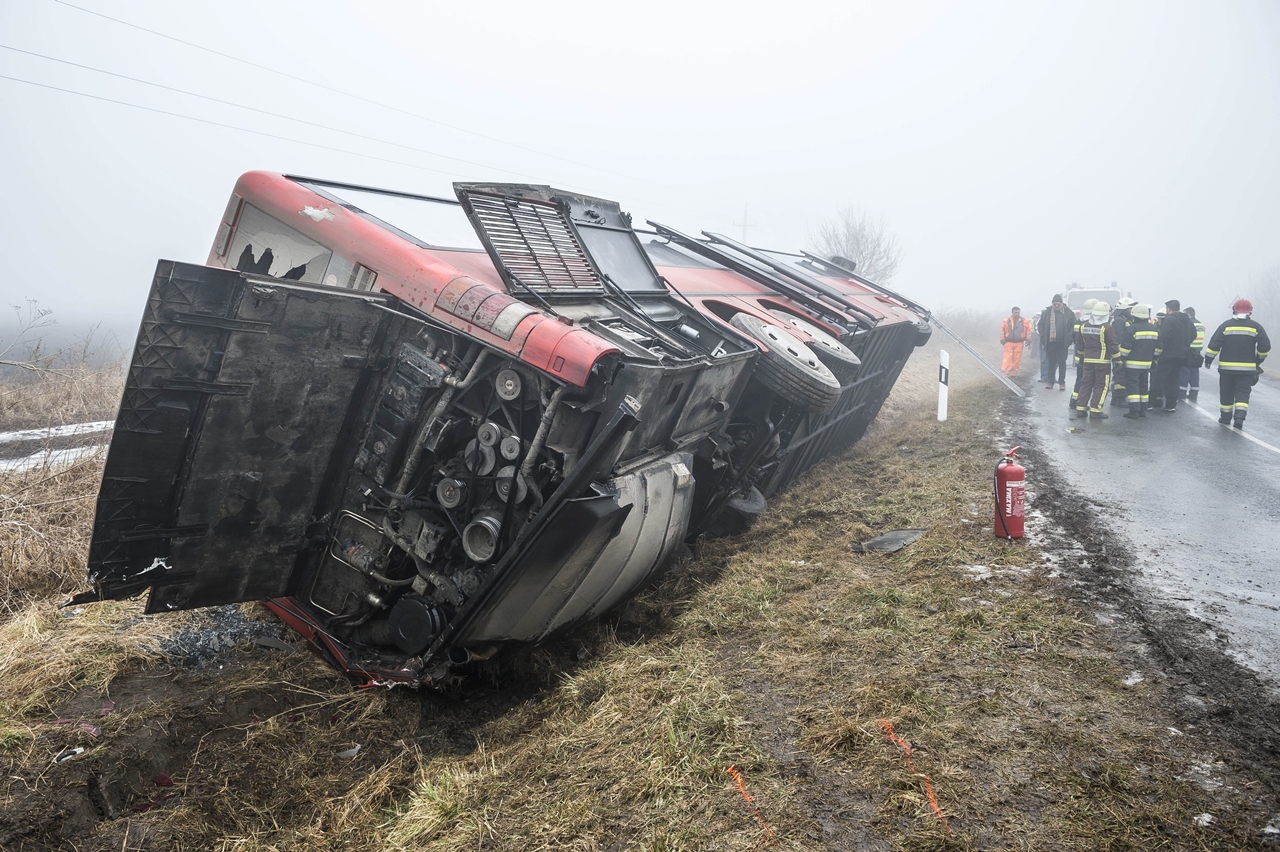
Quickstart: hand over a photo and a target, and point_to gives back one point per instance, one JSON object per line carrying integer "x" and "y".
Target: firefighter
{"x": 1015, "y": 335}
{"x": 1241, "y": 345}
{"x": 1079, "y": 364}
{"x": 1096, "y": 343}
{"x": 1120, "y": 321}
{"x": 1138, "y": 349}
{"x": 1189, "y": 389}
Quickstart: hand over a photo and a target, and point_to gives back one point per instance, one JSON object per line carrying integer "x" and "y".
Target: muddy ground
{"x": 1201, "y": 684}
{"x": 236, "y": 737}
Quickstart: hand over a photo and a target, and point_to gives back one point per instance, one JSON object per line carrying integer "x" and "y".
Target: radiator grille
{"x": 533, "y": 243}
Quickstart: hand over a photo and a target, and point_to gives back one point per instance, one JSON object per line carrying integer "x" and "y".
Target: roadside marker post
{"x": 944, "y": 377}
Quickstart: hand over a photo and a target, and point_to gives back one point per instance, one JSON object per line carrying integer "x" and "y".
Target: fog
{"x": 1013, "y": 147}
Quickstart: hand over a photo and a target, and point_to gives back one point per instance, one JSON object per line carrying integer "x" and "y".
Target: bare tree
{"x": 21, "y": 351}
{"x": 862, "y": 237}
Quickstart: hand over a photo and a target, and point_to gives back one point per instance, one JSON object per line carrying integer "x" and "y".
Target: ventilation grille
{"x": 533, "y": 243}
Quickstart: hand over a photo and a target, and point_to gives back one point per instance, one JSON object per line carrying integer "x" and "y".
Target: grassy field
{"x": 778, "y": 690}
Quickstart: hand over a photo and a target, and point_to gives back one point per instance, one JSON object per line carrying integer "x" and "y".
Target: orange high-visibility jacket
{"x": 1015, "y": 332}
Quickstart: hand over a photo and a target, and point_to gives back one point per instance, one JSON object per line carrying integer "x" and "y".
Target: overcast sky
{"x": 1013, "y": 146}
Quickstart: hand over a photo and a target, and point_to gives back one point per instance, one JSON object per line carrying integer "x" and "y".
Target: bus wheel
{"x": 839, "y": 358}
{"x": 788, "y": 367}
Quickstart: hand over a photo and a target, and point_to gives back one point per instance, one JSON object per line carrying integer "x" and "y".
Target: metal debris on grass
{"x": 890, "y": 542}
{"x": 64, "y": 756}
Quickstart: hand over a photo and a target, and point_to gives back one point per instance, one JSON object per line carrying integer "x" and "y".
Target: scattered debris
{"x": 273, "y": 642}
{"x": 1133, "y": 679}
{"x": 225, "y": 628}
{"x": 163, "y": 779}
{"x": 889, "y": 542}
{"x": 106, "y": 707}
{"x": 92, "y": 730}
{"x": 1203, "y": 820}
{"x": 153, "y": 803}
{"x": 68, "y": 754}
{"x": 351, "y": 752}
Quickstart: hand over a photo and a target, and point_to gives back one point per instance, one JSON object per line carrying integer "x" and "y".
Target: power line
{"x": 373, "y": 102}
{"x": 229, "y": 126}
{"x": 263, "y": 111}
{"x": 282, "y": 138}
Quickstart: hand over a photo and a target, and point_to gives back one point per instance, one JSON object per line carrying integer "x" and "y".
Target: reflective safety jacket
{"x": 1096, "y": 344}
{"x": 1015, "y": 331}
{"x": 1138, "y": 342}
{"x": 1076, "y": 325}
{"x": 1242, "y": 345}
{"x": 1198, "y": 343}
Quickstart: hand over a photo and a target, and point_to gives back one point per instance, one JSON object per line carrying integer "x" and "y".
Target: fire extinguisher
{"x": 1010, "y": 496}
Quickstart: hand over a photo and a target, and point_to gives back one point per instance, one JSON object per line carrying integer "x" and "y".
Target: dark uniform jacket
{"x": 1120, "y": 322}
{"x": 1096, "y": 344}
{"x": 1138, "y": 341}
{"x": 1176, "y": 335}
{"x": 1055, "y": 327}
{"x": 1240, "y": 345}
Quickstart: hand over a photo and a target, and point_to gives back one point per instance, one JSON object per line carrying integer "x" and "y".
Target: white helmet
{"x": 1140, "y": 312}
{"x": 1101, "y": 309}
{"x": 1125, "y": 303}
{"x": 1088, "y": 304}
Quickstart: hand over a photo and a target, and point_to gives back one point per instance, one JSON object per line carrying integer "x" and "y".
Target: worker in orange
{"x": 1015, "y": 335}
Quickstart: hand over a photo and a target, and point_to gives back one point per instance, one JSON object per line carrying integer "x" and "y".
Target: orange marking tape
{"x": 928, "y": 785}
{"x": 742, "y": 788}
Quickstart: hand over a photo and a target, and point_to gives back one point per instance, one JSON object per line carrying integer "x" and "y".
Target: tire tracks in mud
{"x": 1226, "y": 703}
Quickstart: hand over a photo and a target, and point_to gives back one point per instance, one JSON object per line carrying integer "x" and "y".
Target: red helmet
{"x": 1242, "y": 306}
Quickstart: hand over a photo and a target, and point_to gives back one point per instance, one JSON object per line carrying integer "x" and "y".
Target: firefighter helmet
{"x": 1101, "y": 310}
{"x": 1088, "y": 305}
{"x": 1125, "y": 303}
{"x": 1242, "y": 306}
{"x": 1140, "y": 312}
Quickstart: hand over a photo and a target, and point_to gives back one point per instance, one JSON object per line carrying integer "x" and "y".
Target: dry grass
{"x": 76, "y": 384}
{"x": 46, "y": 517}
{"x": 777, "y": 653}
{"x": 46, "y": 513}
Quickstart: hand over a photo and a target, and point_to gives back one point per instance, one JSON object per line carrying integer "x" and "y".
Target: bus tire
{"x": 788, "y": 367}
{"x": 839, "y": 358}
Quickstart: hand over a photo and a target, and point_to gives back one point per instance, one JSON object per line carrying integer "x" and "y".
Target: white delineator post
{"x": 944, "y": 376}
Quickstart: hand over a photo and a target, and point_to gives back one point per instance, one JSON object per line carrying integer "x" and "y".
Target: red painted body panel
{"x": 724, "y": 285}
{"x": 420, "y": 276}
{"x": 463, "y": 290}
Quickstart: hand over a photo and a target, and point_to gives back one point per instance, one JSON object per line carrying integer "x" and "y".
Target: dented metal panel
{"x": 225, "y": 437}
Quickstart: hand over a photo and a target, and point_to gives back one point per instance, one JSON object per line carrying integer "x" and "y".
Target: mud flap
{"x": 240, "y": 412}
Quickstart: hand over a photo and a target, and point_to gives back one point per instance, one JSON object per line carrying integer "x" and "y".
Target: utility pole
{"x": 745, "y": 223}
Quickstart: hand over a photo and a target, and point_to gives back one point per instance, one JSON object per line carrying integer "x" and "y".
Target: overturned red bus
{"x": 421, "y": 428}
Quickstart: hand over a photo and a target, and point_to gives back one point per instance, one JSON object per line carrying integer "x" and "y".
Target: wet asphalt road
{"x": 1198, "y": 503}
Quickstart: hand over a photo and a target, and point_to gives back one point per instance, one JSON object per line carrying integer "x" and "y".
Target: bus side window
{"x": 353, "y": 276}
{"x": 266, "y": 246}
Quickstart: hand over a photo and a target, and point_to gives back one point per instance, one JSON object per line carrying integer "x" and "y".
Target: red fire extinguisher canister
{"x": 1011, "y": 503}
